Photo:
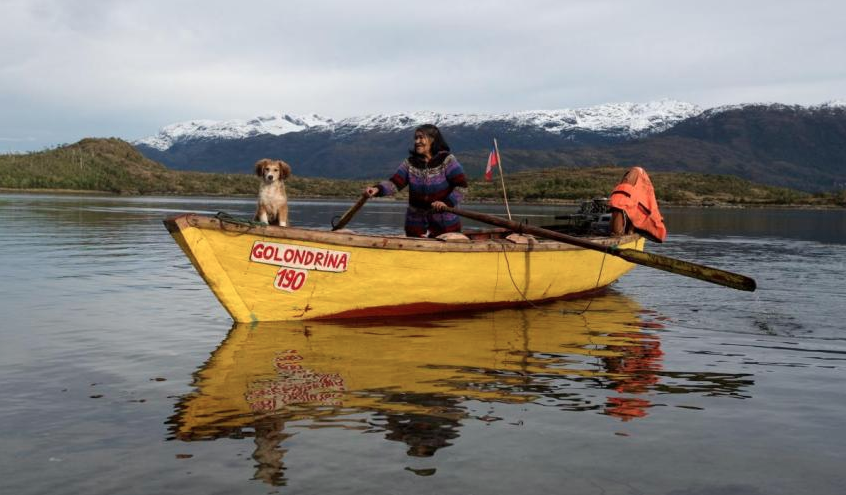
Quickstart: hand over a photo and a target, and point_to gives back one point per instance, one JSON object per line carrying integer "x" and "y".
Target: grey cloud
{"x": 126, "y": 68}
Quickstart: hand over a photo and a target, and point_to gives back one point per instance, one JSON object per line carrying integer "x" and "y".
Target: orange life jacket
{"x": 636, "y": 197}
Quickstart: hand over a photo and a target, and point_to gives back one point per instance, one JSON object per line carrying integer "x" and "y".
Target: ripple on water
{"x": 599, "y": 395}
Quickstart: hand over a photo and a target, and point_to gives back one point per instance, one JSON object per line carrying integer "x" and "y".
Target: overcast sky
{"x": 125, "y": 68}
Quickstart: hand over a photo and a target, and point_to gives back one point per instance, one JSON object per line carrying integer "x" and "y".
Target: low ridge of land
{"x": 114, "y": 166}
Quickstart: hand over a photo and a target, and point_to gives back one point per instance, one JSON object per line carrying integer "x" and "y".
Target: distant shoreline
{"x": 548, "y": 202}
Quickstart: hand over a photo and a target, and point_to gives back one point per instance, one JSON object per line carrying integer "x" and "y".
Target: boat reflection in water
{"x": 418, "y": 379}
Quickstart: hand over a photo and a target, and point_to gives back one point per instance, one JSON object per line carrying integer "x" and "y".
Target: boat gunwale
{"x": 394, "y": 242}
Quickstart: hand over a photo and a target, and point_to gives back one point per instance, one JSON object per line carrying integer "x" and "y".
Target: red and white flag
{"x": 492, "y": 162}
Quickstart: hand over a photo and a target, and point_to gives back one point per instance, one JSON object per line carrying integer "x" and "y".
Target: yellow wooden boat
{"x": 269, "y": 273}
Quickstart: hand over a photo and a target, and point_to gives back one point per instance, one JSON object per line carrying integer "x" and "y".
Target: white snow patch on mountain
{"x": 829, "y": 105}
{"x": 833, "y": 104}
{"x": 620, "y": 119}
{"x": 275, "y": 124}
{"x": 625, "y": 118}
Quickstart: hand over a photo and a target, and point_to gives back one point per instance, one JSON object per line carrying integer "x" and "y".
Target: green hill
{"x": 114, "y": 166}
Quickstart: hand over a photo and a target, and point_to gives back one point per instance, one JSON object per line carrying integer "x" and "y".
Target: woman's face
{"x": 422, "y": 143}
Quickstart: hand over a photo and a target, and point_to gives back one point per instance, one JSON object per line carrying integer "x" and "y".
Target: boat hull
{"x": 264, "y": 273}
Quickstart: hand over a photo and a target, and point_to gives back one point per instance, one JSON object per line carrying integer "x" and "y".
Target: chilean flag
{"x": 492, "y": 162}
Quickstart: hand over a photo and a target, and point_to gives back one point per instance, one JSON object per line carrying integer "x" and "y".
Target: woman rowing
{"x": 435, "y": 181}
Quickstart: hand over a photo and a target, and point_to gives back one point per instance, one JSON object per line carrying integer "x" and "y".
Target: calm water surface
{"x": 120, "y": 372}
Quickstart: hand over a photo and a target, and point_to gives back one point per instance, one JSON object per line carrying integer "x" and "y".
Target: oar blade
{"x": 345, "y": 219}
{"x": 686, "y": 268}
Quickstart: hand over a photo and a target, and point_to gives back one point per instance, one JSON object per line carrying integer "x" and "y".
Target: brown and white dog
{"x": 272, "y": 200}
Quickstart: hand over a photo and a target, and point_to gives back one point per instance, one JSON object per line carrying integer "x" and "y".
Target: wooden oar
{"x": 351, "y": 212}
{"x": 672, "y": 265}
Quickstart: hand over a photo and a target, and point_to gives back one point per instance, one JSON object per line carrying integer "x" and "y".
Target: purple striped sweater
{"x": 442, "y": 179}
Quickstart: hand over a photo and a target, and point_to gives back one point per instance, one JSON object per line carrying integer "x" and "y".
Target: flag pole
{"x": 499, "y": 164}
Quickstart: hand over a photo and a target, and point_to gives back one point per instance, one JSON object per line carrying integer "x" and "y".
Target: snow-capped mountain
{"x": 615, "y": 119}
{"x": 233, "y": 129}
{"x": 772, "y": 143}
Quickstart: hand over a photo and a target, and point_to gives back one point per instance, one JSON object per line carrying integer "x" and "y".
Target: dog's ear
{"x": 260, "y": 166}
{"x": 285, "y": 168}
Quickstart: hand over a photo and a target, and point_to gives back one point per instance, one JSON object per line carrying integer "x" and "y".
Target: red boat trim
{"x": 430, "y": 308}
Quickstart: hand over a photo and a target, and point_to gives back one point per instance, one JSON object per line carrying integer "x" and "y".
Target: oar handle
{"x": 679, "y": 267}
{"x": 345, "y": 219}
{"x": 522, "y": 228}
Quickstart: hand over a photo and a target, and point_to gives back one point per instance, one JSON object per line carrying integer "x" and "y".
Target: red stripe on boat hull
{"x": 423, "y": 308}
